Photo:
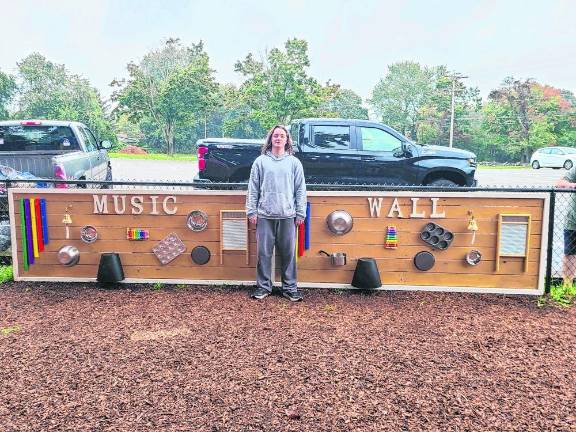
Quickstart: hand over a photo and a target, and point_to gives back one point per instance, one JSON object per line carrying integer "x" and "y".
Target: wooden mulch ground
{"x": 79, "y": 358}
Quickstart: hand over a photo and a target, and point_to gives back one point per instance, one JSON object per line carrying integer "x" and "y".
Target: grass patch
{"x": 153, "y": 156}
{"x": 5, "y": 331}
{"x": 560, "y": 295}
{"x": 6, "y": 274}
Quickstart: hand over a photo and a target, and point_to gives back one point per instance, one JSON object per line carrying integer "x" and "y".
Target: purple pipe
{"x": 28, "y": 217}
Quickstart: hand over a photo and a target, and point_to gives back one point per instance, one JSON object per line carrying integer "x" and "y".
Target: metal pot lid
{"x": 473, "y": 257}
{"x": 197, "y": 220}
{"x": 88, "y": 234}
{"x": 200, "y": 255}
{"x": 339, "y": 222}
{"x": 424, "y": 260}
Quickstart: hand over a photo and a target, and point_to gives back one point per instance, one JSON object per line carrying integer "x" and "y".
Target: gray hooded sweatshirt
{"x": 276, "y": 189}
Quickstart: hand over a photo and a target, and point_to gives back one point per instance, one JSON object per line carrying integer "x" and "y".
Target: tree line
{"x": 171, "y": 98}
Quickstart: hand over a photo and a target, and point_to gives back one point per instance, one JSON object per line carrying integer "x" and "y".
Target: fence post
{"x": 548, "y": 281}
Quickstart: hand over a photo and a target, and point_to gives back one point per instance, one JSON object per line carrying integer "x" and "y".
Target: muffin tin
{"x": 436, "y": 236}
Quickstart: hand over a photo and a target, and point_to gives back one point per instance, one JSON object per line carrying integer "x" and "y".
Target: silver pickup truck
{"x": 54, "y": 150}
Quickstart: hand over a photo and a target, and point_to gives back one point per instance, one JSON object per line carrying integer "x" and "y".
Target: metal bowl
{"x": 88, "y": 234}
{"x": 197, "y": 220}
{"x": 69, "y": 256}
{"x": 473, "y": 257}
{"x": 339, "y": 222}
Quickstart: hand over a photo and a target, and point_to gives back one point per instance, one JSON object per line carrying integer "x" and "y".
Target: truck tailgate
{"x": 39, "y": 165}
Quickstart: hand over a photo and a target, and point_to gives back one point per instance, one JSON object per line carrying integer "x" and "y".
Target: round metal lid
{"x": 200, "y": 255}
{"x": 424, "y": 260}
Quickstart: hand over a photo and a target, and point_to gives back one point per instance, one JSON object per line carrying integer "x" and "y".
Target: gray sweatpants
{"x": 282, "y": 234}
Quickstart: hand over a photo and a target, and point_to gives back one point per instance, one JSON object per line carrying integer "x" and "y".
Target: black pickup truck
{"x": 344, "y": 151}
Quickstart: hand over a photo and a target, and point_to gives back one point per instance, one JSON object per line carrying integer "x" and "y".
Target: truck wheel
{"x": 441, "y": 182}
{"x": 108, "y": 178}
{"x": 536, "y": 164}
{"x": 568, "y": 164}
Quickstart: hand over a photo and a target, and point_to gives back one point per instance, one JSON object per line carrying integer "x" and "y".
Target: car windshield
{"x": 569, "y": 150}
{"x": 37, "y": 138}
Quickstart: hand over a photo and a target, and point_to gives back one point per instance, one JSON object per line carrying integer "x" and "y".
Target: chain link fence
{"x": 561, "y": 253}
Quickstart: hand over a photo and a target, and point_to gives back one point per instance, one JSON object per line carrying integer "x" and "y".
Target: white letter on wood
{"x": 100, "y": 204}
{"x": 395, "y": 208}
{"x": 415, "y": 213}
{"x": 154, "y": 199}
{"x": 165, "y": 207}
{"x": 136, "y": 202}
{"x": 435, "y": 213}
{"x": 116, "y": 209}
{"x": 375, "y": 206}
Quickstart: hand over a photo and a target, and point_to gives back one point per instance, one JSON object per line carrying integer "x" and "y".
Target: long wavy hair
{"x": 267, "y": 146}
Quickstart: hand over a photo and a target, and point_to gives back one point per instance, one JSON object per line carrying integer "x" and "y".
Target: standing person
{"x": 276, "y": 203}
{"x": 569, "y": 259}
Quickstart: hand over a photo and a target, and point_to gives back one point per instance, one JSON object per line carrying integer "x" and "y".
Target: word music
{"x": 395, "y": 210}
{"x": 134, "y": 205}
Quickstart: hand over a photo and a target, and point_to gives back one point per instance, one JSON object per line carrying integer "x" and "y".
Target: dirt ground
{"x": 79, "y": 358}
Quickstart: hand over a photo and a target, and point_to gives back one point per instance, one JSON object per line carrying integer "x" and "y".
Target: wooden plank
{"x": 461, "y": 239}
{"x": 319, "y": 211}
{"x": 318, "y": 225}
{"x": 352, "y": 250}
{"x": 318, "y": 263}
{"x": 148, "y": 272}
{"x": 214, "y": 197}
{"x": 442, "y": 201}
{"x": 425, "y": 279}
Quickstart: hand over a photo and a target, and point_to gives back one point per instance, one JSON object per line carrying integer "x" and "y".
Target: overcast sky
{"x": 350, "y": 42}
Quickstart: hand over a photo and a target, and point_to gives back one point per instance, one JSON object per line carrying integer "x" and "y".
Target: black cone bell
{"x": 366, "y": 275}
{"x": 110, "y": 269}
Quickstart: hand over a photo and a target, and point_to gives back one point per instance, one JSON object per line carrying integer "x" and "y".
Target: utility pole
{"x": 454, "y": 77}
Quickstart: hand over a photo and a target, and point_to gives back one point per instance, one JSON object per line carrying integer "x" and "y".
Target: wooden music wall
{"x": 448, "y": 241}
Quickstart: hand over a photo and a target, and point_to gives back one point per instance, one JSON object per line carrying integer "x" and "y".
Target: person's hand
{"x": 253, "y": 219}
{"x": 299, "y": 220}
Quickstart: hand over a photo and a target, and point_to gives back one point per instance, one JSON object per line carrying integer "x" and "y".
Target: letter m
{"x": 100, "y": 204}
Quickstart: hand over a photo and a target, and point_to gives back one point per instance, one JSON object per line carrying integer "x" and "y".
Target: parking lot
{"x": 184, "y": 171}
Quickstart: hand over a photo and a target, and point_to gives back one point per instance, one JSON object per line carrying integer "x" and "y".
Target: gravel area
{"x": 80, "y": 358}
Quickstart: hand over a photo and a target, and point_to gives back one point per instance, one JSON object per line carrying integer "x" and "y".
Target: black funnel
{"x": 110, "y": 269}
{"x": 366, "y": 275}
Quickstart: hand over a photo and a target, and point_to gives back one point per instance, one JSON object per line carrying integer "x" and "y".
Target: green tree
{"x": 279, "y": 89}
{"x": 345, "y": 104}
{"x": 47, "y": 90}
{"x": 7, "y": 90}
{"x": 233, "y": 117}
{"x": 523, "y": 115}
{"x": 401, "y": 94}
{"x": 416, "y": 100}
{"x": 171, "y": 88}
